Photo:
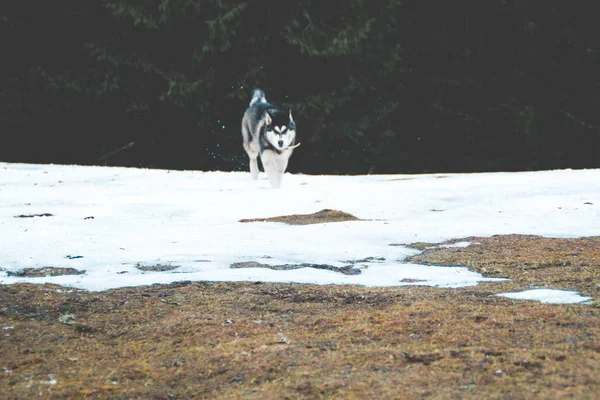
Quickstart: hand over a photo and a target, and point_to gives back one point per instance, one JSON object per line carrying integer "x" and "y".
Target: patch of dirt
{"x": 365, "y": 260}
{"x": 417, "y": 245}
{"x": 411, "y": 280}
{"x": 156, "y": 267}
{"x": 320, "y": 217}
{"x": 346, "y": 270}
{"x": 425, "y": 359}
{"x": 426, "y": 245}
{"x": 44, "y": 271}
{"x": 570, "y": 264}
{"x": 268, "y": 341}
{"x": 276, "y": 341}
{"x": 34, "y": 215}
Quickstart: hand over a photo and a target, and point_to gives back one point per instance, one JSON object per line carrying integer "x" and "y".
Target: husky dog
{"x": 271, "y": 133}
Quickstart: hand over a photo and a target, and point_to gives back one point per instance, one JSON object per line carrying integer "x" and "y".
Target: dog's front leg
{"x": 273, "y": 173}
{"x": 254, "y": 168}
{"x": 272, "y": 163}
{"x": 281, "y": 163}
{"x": 252, "y": 151}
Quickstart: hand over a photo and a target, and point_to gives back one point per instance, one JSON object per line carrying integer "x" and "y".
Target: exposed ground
{"x": 307, "y": 219}
{"x": 346, "y": 270}
{"x": 45, "y": 271}
{"x": 278, "y": 341}
{"x": 527, "y": 260}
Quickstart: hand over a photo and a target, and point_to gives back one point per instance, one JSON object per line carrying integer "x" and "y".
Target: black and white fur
{"x": 271, "y": 133}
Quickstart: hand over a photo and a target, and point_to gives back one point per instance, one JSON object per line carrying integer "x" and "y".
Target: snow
{"x": 550, "y": 296}
{"x": 107, "y": 220}
{"x": 457, "y": 244}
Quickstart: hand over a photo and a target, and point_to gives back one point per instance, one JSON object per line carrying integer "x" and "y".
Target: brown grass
{"x": 45, "y": 271}
{"x": 527, "y": 260}
{"x": 319, "y": 217}
{"x": 278, "y": 341}
{"x": 346, "y": 269}
{"x": 157, "y": 267}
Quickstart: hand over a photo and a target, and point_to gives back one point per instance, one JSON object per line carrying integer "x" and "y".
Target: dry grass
{"x": 45, "y": 271}
{"x": 278, "y": 341}
{"x": 156, "y": 267}
{"x": 527, "y": 260}
{"x": 346, "y": 270}
{"x": 319, "y": 217}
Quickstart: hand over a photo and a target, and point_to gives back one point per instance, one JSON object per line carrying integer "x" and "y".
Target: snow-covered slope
{"x": 108, "y": 220}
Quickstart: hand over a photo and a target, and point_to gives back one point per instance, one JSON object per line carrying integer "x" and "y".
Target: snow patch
{"x": 456, "y": 245}
{"x": 549, "y": 296}
{"x": 108, "y": 220}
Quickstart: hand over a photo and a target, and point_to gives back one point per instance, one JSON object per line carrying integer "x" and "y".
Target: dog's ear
{"x": 291, "y": 118}
{"x": 268, "y": 118}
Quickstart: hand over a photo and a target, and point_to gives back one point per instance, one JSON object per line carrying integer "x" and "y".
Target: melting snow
{"x": 104, "y": 222}
{"x": 457, "y": 244}
{"x": 551, "y": 296}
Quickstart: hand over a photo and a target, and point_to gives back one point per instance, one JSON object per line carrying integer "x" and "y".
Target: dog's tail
{"x": 258, "y": 96}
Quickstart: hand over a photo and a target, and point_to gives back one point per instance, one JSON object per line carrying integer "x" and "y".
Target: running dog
{"x": 271, "y": 133}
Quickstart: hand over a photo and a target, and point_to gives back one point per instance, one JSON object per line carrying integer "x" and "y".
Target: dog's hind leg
{"x": 251, "y": 148}
{"x": 252, "y": 160}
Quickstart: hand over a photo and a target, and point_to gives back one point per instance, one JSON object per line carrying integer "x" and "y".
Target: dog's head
{"x": 280, "y": 129}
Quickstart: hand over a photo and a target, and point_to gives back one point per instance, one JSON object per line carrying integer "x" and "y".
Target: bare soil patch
{"x": 156, "y": 267}
{"x": 45, "y": 271}
{"x": 319, "y": 217}
{"x": 346, "y": 269}
{"x": 34, "y": 215}
{"x": 572, "y": 264}
{"x": 276, "y": 341}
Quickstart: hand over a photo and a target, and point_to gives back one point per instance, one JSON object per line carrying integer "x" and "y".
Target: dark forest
{"x": 378, "y": 86}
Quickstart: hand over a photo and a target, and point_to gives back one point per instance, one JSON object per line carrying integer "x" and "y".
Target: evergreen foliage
{"x": 375, "y": 86}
